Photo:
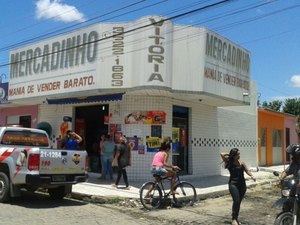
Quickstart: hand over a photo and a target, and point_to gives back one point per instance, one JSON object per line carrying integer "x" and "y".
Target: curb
{"x": 266, "y": 169}
{"x": 211, "y": 192}
{"x": 97, "y": 198}
{"x": 200, "y": 197}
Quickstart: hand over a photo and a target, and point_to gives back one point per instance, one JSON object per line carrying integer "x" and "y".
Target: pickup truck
{"x": 27, "y": 162}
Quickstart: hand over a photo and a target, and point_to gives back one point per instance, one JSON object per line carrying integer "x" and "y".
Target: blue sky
{"x": 269, "y": 29}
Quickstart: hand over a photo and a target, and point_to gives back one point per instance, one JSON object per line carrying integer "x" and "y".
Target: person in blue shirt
{"x": 72, "y": 140}
{"x": 108, "y": 155}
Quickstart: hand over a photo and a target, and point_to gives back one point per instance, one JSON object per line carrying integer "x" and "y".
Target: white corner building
{"x": 148, "y": 80}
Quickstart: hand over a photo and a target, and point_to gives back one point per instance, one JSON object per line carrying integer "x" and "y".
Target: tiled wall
{"x": 141, "y": 163}
{"x": 211, "y": 130}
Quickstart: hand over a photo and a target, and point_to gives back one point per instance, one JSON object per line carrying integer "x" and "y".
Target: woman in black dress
{"x": 237, "y": 184}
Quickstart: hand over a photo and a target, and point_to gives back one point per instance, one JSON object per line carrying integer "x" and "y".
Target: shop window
{"x": 22, "y": 121}
{"x": 180, "y": 137}
{"x": 25, "y": 121}
{"x": 263, "y": 137}
{"x": 12, "y": 120}
{"x": 276, "y": 138}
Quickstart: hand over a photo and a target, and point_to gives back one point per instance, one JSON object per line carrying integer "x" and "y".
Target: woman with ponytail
{"x": 237, "y": 184}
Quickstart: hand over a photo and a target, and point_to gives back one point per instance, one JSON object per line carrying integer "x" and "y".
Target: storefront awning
{"x": 89, "y": 99}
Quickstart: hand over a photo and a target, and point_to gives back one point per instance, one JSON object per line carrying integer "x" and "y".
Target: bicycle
{"x": 152, "y": 193}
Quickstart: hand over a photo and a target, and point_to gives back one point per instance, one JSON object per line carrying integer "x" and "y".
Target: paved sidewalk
{"x": 206, "y": 187}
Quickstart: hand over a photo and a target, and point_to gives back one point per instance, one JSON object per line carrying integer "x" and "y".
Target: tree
{"x": 292, "y": 106}
{"x": 274, "y": 105}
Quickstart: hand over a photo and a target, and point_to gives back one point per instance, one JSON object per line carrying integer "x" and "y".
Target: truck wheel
{"x": 4, "y": 187}
{"x": 57, "y": 193}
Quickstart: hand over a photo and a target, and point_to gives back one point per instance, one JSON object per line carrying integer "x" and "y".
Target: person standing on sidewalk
{"x": 123, "y": 156}
{"x": 72, "y": 140}
{"x": 108, "y": 155}
{"x": 237, "y": 184}
{"x": 101, "y": 150}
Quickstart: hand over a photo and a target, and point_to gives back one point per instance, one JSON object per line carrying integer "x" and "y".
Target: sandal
{"x": 234, "y": 222}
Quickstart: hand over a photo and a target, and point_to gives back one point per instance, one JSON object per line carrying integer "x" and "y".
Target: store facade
{"x": 148, "y": 79}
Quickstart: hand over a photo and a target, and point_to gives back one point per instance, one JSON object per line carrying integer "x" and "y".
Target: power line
{"x": 275, "y": 90}
{"x": 47, "y": 34}
{"x": 167, "y": 19}
{"x": 128, "y": 31}
{"x": 56, "y": 32}
{"x": 28, "y": 41}
{"x": 232, "y": 13}
{"x": 63, "y": 30}
{"x": 209, "y": 19}
{"x": 228, "y": 26}
{"x": 53, "y": 17}
{"x": 259, "y": 17}
{"x": 130, "y": 25}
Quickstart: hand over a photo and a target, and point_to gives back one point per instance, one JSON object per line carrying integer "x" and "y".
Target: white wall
{"x": 53, "y": 114}
{"x": 141, "y": 163}
{"x": 277, "y": 155}
{"x": 211, "y": 130}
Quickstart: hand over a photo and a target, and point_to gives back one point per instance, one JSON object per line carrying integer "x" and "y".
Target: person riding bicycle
{"x": 161, "y": 167}
{"x": 294, "y": 167}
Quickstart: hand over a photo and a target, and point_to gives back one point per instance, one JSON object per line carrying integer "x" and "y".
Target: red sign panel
{"x": 14, "y": 139}
{"x": 146, "y": 117}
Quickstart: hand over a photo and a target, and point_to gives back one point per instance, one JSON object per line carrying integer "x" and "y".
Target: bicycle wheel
{"x": 186, "y": 194}
{"x": 150, "y": 195}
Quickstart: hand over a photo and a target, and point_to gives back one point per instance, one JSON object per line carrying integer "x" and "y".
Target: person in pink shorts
{"x": 161, "y": 167}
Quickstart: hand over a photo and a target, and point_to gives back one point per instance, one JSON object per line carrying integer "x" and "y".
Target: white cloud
{"x": 282, "y": 98}
{"x": 259, "y": 11}
{"x": 295, "y": 81}
{"x": 47, "y": 9}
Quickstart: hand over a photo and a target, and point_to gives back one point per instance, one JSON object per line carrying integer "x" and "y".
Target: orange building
{"x": 276, "y": 131}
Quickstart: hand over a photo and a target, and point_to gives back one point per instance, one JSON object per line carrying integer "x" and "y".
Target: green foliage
{"x": 274, "y": 105}
{"x": 292, "y": 106}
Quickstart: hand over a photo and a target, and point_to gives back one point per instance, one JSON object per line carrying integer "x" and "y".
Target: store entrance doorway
{"x": 89, "y": 123}
{"x": 180, "y": 137}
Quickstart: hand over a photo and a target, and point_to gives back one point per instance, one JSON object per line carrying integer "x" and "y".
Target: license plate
{"x": 58, "y": 178}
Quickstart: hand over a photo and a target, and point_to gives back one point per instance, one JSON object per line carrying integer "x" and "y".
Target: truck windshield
{"x": 25, "y": 138}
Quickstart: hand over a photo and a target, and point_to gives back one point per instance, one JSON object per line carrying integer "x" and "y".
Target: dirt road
{"x": 256, "y": 209}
